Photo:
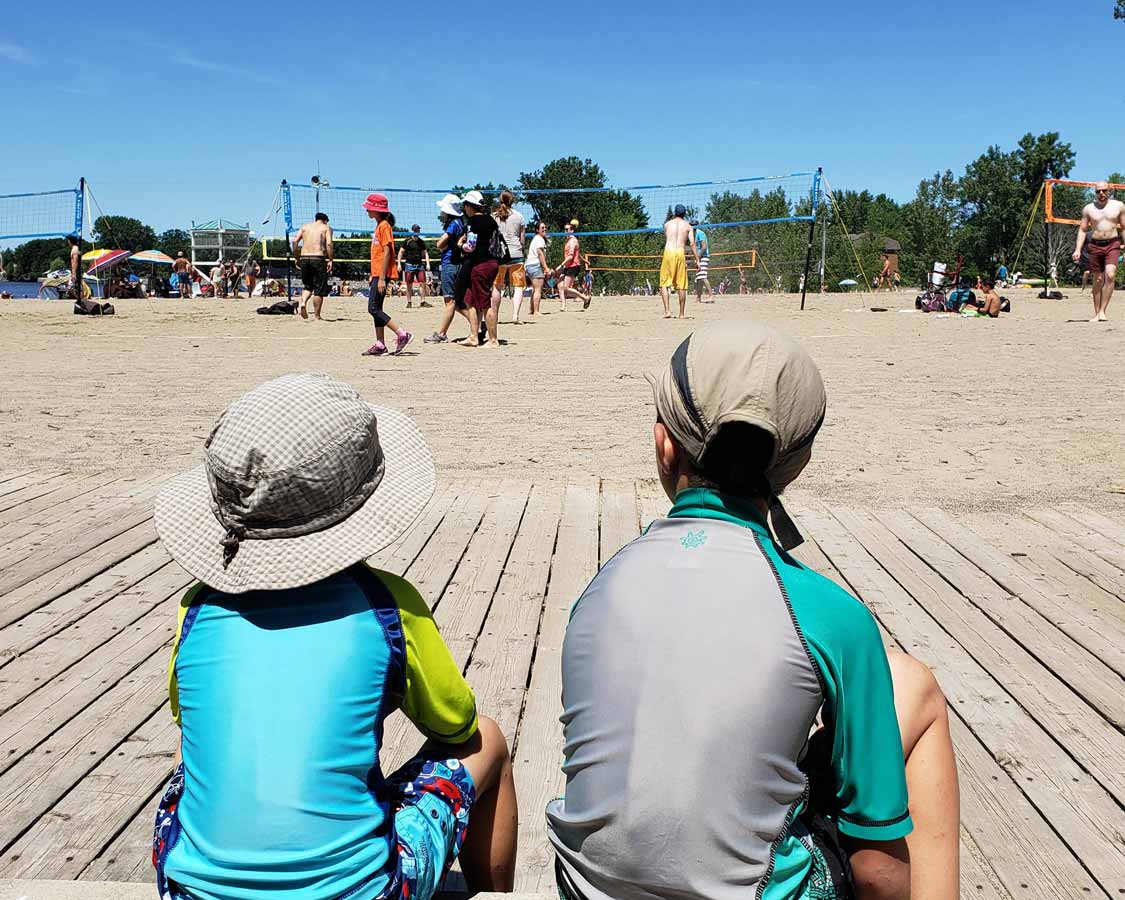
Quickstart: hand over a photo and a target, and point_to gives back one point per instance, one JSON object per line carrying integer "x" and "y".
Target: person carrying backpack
{"x": 732, "y": 725}
{"x": 414, "y": 261}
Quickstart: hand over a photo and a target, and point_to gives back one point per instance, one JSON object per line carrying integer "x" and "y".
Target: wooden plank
{"x": 431, "y": 570}
{"x": 1014, "y": 845}
{"x": 1080, "y": 560}
{"x": 129, "y": 856}
{"x": 43, "y": 556}
{"x": 461, "y": 608}
{"x": 67, "y": 838}
{"x": 620, "y": 521}
{"x": 538, "y": 751}
{"x": 64, "y": 610}
{"x": 9, "y": 474}
{"x": 61, "y": 577}
{"x": 59, "y": 505}
{"x": 17, "y": 484}
{"x": 1042, "y": 625}
{"x": 400, "y": 555}
{"x": 1089, "y": 539}
{"x": 501, "y": 658}
{"x": 1111, "y": 528}
{"x": 652, "y": 502}
{"x": 1021, "y": 565}
{"x": 35, "y": 668}
{"x": 31, "y": 492}
{"x": 31, "y": 787}
{"x": 1065, "y": 795}
{"x": 64, "y": 698}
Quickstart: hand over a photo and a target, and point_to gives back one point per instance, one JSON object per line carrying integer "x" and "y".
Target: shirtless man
{"x": 673, "y": 264}
{"x": 314, "y": 252}
{"x": 1105, "y": 219}
{"x": 182, "y": 268}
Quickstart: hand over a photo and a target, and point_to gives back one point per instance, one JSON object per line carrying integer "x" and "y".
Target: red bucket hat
{"x": 376, "y": 203}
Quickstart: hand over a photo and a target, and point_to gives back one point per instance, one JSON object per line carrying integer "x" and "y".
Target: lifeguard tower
{"x": 219, "y": 239}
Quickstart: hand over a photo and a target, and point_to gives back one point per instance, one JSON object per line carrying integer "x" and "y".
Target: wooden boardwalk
{"x": 1021, "y": 617}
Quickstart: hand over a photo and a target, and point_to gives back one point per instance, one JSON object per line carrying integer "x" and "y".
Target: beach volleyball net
{"x": 758, "y": 223}
{"x": 41, "y": 214}
{"x": 1063, "y": 200}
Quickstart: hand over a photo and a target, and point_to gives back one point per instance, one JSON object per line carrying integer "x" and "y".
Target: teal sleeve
{"x": 868, "y": 770}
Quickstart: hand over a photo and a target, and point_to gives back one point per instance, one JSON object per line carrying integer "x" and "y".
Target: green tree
{"x": 123, "y": 233}
{"x": 36, "y": 257}
{"x": 1119, "y": 10}
{"x": 593, "y": 210}
{"x": 172, "y": 241}
{"x": 930, "y": 222}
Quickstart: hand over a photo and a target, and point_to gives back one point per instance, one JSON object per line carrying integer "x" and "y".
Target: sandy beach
{"x": 961, "y": 414}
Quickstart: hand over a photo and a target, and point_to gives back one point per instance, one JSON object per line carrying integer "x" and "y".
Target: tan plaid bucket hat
{"x": 300, "y": 479}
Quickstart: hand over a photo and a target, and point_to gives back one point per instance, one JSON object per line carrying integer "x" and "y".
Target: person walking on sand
{"x": 702, "y": 276}
{"x": 571, "y": 266}
{"x": 414, "y": 263}
{"x": 536, "y": 266}
{"x": 478, "y": 270}
{"x": 382, "y": 270}
{"x": 312, "y": 248}
{"x": 511, "y": 272}
{"x": 673, "y": 262}
{"x": 1102, "y": 228}
{"x": 181, "y": 268}
{"x": 75, "y": 284}
{"x": 741, "y": 280}
{"x": 449, "y": 246}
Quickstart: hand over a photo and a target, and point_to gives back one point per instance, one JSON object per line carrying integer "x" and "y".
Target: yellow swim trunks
{"x": 673, "y": 270}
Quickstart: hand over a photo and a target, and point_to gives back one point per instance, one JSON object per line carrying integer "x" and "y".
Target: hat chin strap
{"x": 784, "y": 530}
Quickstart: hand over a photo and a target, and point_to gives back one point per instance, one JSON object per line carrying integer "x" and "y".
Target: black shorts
{"x": 314, "y": 275}
{"x": 572, "y": 271}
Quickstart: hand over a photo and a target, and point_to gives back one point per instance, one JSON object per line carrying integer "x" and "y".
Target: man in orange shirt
{"x": 383, "y": 268}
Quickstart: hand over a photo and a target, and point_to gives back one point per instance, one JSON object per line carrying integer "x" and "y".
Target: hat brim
{"x": 449, "y": 209}
{"x": 193, "y": 535}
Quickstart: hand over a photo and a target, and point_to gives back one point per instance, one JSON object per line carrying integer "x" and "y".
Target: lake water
{"x": 20, "y": 289}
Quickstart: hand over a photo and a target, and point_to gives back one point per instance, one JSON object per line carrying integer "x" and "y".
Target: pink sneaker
{"x": 376, "y": 349}
{"x": 401, "y": 340}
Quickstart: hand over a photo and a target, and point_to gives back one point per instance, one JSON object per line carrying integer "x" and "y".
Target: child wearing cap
{"x": 383, "y": 269}
{"x": 291, "y": 652}
{"x": 732, "y": 724}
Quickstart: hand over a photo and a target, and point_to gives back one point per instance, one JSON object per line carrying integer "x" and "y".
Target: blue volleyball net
{"x": 40, "y": 214}
{"x": 756, "y": 225}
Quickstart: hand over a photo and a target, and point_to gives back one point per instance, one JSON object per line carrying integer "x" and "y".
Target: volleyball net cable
{"x": 600, "y": 211}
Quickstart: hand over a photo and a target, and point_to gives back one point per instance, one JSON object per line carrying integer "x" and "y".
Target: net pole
{"x": 812, "y": 235}
{"x": 287, "y": 201}
{"x": 79, "y": 214}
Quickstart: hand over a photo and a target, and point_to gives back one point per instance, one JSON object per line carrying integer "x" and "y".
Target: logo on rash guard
{"x": 693, "y": 539}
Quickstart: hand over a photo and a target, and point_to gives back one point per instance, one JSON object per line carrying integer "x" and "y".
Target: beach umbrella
{"x": 848, "y": 282}
{"x": 107, "y": 260}
{"x": 94, "y": 254}
{"x": 152, "y": 256}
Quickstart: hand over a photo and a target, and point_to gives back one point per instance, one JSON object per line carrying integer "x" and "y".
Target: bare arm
{"x": 1081, "y": 239}
{"x": 297, "y": 241}
{"x": 443, "y": 241}
{"x": 881, "y": 869}
{"x": 331, "y": 249}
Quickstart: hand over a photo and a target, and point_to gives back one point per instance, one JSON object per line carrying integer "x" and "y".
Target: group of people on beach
{"x": 732, "y": 724}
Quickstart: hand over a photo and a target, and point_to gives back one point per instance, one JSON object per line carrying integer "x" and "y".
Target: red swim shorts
{"x": 479, "y": 294}
{"x": 1102, "y": 255}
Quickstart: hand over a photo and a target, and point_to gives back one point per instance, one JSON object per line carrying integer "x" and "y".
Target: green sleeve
{"x": 437, "y": 698}
{"x": 173, "y": 685}
{"x": 868, "y": 771}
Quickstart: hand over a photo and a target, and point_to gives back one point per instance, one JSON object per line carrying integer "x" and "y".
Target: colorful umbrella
{"x": 153, "y": 256}
{"x": 93, "y": 254}
{"x": 108, "y": 259}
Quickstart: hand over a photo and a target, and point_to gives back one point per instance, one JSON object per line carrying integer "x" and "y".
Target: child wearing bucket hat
{"x": 291, "y": 652}
{"x": 732, "y": 723}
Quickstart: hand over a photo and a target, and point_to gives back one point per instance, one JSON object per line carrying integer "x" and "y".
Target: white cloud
{"x": 13, "y": 53}
{"x": 208, "y": 65}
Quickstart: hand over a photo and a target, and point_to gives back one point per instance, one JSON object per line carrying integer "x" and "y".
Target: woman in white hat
{"x": 452, "y": 229}
{"x": 478, "y": 270}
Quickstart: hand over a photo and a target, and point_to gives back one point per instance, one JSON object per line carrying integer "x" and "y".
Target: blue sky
{"x": 196, "y": 111}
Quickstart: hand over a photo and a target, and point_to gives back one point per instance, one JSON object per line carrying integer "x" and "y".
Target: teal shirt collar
{"x": 704, "y": 503}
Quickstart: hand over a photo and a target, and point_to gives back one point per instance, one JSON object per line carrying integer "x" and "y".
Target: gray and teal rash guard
{"x": 693, "y": 669}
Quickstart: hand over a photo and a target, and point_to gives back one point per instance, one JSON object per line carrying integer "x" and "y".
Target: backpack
{"x": 92, "y": 308}
{"x": 498, "y": 247}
